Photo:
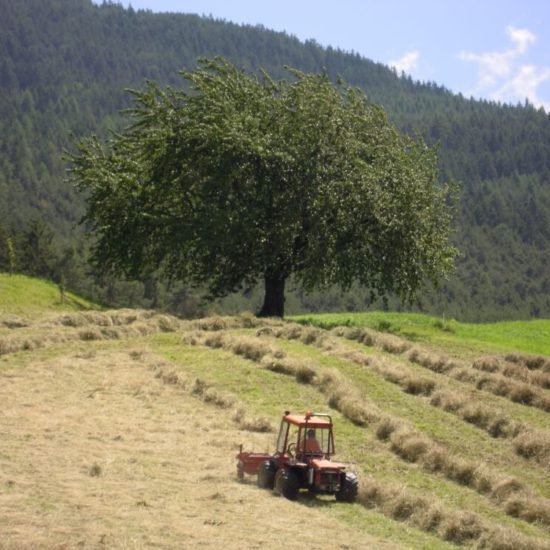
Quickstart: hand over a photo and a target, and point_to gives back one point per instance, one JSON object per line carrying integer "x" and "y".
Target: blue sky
{"x": 494, "y": 49}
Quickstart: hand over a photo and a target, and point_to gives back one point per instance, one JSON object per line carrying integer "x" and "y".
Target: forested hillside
{"x": 64, "y": 68}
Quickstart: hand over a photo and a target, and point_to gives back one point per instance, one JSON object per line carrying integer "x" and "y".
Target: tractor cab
{"x": 304, "y": 436}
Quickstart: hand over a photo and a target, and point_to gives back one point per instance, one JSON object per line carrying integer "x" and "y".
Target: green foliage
{"x": 235, "y": 178}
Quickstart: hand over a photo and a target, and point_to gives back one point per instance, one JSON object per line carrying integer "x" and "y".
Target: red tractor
{"x": 302, "y": 460}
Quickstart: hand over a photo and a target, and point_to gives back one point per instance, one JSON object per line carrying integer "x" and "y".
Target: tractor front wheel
{"x": 266, "y": 475}
{"x": 286, "y": 483}
{"x": 349, "y": 489}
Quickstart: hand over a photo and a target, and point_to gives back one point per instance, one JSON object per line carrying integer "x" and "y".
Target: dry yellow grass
{"x": 98, "y": 451}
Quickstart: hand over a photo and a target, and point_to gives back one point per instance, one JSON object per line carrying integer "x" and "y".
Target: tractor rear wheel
{"x": 266, "y": 475}
{"x": 286, "y": 483}
{"x": 349, "y": 489}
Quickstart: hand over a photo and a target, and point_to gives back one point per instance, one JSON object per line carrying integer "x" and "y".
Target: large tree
{"x": 235, "y": 178}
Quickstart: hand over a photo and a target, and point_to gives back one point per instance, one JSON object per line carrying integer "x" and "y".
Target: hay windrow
{"x": 535, "y": 445}
{"x": 532, "y": 362}
{"x": 212, "y": 395}
{"x": 14, "y": 321}
{"x": 244, "y": 320}
{"x": 485, "y": 376}
{"x": 87, "y": 326}
{"x": 386, "y": 342}
{"x": 516, "y": 370}
{"x": 462, "y": 528}
{"x": 478, "y": 414}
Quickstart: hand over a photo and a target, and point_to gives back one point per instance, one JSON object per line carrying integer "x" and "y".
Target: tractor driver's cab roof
{"x": 311, "y": 420}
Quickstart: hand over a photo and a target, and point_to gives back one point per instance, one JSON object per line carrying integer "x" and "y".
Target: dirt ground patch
{"x": 98, "y": 452}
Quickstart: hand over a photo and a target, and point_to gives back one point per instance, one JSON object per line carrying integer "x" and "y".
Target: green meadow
{"x": 532, "y": 336}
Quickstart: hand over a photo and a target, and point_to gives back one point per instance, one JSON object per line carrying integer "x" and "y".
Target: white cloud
{"x": 522, "y": 38}
{"x": 406, "y": 63}
{"x": 524, "y": 85}
{"x": 502, "y": 76}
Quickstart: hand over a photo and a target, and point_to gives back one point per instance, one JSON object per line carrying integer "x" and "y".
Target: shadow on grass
{"x": 305, "y": 498}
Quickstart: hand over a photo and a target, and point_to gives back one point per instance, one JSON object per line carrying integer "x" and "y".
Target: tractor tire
{"x": 349, "y": 489}
{"x": 266, "y": 475}
{"x": 286, "y": 483}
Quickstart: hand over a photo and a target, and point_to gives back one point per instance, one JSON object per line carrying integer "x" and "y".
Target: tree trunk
{"x": 274, "y": 301}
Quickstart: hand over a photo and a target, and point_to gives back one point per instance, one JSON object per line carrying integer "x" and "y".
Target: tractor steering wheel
{"x": 291, "y": 449}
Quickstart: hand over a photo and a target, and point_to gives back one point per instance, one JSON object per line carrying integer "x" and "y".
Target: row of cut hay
{"x": 213, "y": 396}
{"x": 88, "y": 326}
{"x": 404, "y": 440}
{"x": 533, "y": 445}
{"x": 15, "y": 343}
{"x": 532, "y": 362}
{"x": 386, "y": 342}
{"x": 516, "y": 370}
{"x": 14, "y": 321}
{"x": 497, "y": 384}
{"x": 247, "y": 346}
{"x": 475, "y": 412}
{"x": 121, "y": 317}
{"x": 427, "y": 514}
{"x": 408, "y": 382}
{"x": 436, "y": 363}
{"x": 527, "y": 442}
{"x": 117, "y": 318}
{"x": 500, "y": 385}
{"x": 293, "y": 331}
{"x": 218, "y": 322}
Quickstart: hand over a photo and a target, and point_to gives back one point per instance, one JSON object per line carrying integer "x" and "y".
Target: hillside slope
{"x": 120, "y": 429}
{"x": 20, "y": 294}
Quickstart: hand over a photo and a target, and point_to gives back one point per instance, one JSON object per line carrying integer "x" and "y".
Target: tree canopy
{"x": 236, "y": 177}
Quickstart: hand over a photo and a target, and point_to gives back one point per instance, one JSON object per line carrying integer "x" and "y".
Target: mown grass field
{"x": 119, "y": 429}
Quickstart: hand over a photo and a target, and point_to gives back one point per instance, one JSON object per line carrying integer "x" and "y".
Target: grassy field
{"x": 22, "y": 295}
{"x": 449, "y": 335}
{"x": 120, "y": 428}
